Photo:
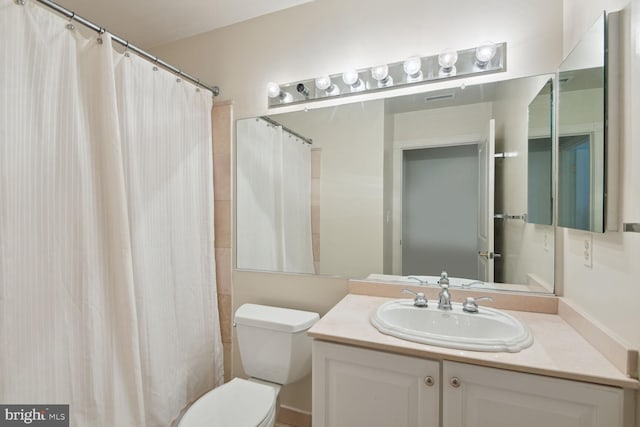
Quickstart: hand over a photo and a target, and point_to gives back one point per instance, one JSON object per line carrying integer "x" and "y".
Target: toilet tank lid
{"x": 275, "y": 318}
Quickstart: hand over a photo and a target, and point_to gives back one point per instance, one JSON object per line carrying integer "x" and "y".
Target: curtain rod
{"x": 296, "y": 134}
{"x": 73, "y": 17}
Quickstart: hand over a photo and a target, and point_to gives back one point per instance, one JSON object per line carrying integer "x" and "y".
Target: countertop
{"x": 558, "y": 350}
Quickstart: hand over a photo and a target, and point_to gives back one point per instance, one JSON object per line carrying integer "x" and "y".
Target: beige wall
{"x": 609, "y": 290}
{"x": 327, "y": 36}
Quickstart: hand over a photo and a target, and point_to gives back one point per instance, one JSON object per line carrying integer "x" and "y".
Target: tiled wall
{"x": 222, "y": 120}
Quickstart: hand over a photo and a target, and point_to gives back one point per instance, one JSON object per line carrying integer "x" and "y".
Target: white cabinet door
{"x": 354, "y": 387}
{"x": 476, "y": 396}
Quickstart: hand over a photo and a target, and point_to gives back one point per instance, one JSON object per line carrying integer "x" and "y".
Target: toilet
{"x": 275, "y": 350}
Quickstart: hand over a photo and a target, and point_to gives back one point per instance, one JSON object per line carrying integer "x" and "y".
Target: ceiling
{"x": 149, "y": 23}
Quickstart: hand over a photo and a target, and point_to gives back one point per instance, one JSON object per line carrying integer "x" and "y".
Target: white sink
{"x": 487, "y": 330}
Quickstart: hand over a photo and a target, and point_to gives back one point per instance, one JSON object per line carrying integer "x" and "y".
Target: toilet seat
{"x": 238, "y": 403}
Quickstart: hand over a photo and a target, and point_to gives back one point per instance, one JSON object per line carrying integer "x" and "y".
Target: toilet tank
{"x": 273, "y": 342}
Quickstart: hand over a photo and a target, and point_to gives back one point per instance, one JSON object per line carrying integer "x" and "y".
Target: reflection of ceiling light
{"x": 413, "y": 67}
{"x": 381, "y": 74}
{"x": 274, "y": 91}
{"x": 351, "y": 78}
{"x": 447, "y": 60}
{"x": 485, "y": 53}
{"x": 324, "y": 83}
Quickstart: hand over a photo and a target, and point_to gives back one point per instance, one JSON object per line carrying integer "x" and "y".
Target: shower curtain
{"x": 107, "y": 277}
{"x": 274, "y": 199}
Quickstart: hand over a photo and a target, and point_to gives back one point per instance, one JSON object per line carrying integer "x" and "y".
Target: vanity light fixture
{"x": 352, "y": 79}
{"x": 485, "y": 53}
{"x": 412, "y": 67}
{"x": 324, "y": 84}
{"x": 447, "y": 60}
{"x": 483, "y": 59}
{"x": 380, "y": 73}
{"x": 274, "y": 92}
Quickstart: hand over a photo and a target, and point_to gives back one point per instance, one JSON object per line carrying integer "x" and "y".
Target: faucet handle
{"x": 444, "y": 280}
{"x": 470, "y": 304}
{"x": 419, "y": 300}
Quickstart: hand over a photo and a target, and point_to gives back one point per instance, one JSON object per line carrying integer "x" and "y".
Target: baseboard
{"x": 293, "y": 417}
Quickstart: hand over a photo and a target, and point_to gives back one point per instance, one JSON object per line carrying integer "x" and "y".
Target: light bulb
{"x": 273, "y": 90}
{"x": 323, "y": 82}
{"x": 381, "y": 74}
{"x": 447, "y": 59}
{"x": 350, "y": 77}
{"x": 485, "y": 53}
{"x": 413, "y": 67}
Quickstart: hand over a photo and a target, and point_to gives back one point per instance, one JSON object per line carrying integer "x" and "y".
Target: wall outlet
{"x": 588, "y": 250}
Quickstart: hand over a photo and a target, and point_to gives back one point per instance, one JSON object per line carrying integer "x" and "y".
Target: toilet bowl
{"x": 275, "y": 350}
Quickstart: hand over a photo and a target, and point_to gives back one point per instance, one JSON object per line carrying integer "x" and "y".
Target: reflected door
{"x": 574, "y": 182}
{"x": 439, "y": 211}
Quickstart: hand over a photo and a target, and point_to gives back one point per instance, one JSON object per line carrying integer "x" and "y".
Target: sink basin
{"x": 487, "y": 330}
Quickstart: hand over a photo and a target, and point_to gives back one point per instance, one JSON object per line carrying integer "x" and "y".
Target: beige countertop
{"x": 558, "y": 350}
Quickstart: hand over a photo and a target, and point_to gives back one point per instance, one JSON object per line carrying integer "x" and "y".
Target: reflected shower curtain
{"x": 274, "y": 199}
{"x": 107, "y": 281}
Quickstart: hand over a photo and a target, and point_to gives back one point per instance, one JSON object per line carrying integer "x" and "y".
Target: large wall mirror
{"x": 399, "y": 187}
{"x": 581, "y": 133}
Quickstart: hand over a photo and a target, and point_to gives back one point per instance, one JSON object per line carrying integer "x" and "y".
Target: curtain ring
{"x": 198, "y": 86}
{"x": 155, "y": 64}
{"x": 100, "y": 33}
{"x": 126, "y": 50}
{"x": 70, "y": 25}
{"x": 178, "y": 80}
{"x": 19, "y": 2}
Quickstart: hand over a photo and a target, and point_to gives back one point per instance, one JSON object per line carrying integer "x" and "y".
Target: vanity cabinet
{"x": 356, "y": 387}
{"x": 359, "y": 387}
{"x": 475, "y": 396}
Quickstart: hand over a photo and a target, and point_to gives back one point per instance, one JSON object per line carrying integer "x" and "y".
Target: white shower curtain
{"x": 107, "y": 281}
{"x": 274, "y": 199}
{"x": 166, "y": 138}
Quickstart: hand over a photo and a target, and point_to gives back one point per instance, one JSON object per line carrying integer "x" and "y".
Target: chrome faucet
{"x": 444, "y": 299}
